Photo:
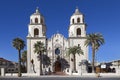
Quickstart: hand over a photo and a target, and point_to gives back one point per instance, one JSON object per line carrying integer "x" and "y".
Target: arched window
{"x": 78, "y": 20}
{"x": 36, "y": 32}
{"x": 78, "y": 32}
{"x": 36, "y": 20}
{"x": 73, "y": 21}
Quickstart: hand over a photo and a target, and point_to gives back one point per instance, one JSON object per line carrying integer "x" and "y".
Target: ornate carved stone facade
{"x": 57, "y": 45}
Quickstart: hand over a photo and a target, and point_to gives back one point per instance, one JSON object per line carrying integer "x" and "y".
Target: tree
{"x": 19, "y": 45}
{"x": 46, "y": 60}
{"x": 24, "y": 60}
{"x": 39, "y": 48}
{"x": 75, "y": 50}
{"x": 95, "y": 40}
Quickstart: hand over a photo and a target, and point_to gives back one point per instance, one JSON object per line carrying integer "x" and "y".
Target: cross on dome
{"x": 37, "y": 10}
{"x": 77, "y": 12}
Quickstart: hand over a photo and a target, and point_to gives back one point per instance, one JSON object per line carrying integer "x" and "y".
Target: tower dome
{"x": 36, "y": 18}
{"x": 77, "y": 26}
{"x": 77, "y": 12}
{"x": 37, "y": 27}
{"x": 77, "y": 17}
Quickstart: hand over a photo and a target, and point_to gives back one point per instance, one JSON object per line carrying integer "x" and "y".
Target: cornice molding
{"x": 77, "y": 38}
{"x": 36, "y": 38}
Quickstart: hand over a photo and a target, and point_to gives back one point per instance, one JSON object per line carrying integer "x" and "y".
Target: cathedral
{"x": 57, "y": 45}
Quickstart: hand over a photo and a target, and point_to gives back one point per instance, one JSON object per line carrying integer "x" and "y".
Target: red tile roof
{"x": 5, "y": 60}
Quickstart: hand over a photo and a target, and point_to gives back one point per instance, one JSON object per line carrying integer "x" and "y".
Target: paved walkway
{"x": 62, "y": 76}
{"x": 59, "y": 78}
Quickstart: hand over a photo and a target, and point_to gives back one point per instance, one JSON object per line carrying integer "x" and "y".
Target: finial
{"x": 37, "y": 10}
{"x": 37, "y": 7}
{"x": 77, "y": 10}
{"x": 76, "y": 7}
{"x": 57, "y": 31}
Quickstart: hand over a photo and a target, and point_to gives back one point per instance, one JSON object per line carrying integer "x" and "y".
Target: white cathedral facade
{"x": 57, "y": 45}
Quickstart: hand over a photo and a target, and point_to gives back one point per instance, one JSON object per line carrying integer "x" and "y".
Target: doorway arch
{"x": 57, "y": 66}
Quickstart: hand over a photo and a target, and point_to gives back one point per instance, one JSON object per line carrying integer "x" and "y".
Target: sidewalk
{"x": 83, "y": 75}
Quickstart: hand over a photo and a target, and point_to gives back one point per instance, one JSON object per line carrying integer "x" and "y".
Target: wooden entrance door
{"x": 57, "y": 66}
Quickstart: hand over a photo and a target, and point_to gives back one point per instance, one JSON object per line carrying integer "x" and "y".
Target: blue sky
{"x": 100, "y": 15}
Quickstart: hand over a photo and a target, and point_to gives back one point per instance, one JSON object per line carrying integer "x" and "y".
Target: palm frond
{"x": 18, "y": 43}
{"x": 96, "y": 39}
{"x": 39, "y": 47}
{"x": 74, "y": 50}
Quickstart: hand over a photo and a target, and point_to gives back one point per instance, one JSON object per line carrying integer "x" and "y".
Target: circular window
{"x": 57, "y": 51}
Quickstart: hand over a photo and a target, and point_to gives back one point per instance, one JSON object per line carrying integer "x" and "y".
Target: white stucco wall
{"x": 56, "y": 41}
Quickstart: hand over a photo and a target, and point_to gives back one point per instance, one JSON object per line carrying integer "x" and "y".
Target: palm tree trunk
{"x": 19, "y": 64}
{"x": 74, "y": 62}
{"x": 41, "y": 64}
{"x": 93, "y": 59}
{"x": 26, "y": 66}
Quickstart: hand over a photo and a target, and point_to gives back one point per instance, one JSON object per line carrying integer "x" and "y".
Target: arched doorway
{"x": 57, "y": 66}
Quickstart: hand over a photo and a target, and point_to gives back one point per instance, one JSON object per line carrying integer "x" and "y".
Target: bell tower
{"x": 77, "y": 36}
{"x": 77, "y": 25}
{"x": 37, "y": 26}
{"x": 36, "y": 32}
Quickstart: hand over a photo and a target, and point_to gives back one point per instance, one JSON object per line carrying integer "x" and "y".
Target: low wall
{"x": 74, "y": 74}
{"x": 109, "y": 74}
{"x": 101, "y": 74}
{"x": 23, "y": 74}
{"x": 88, "y": 74}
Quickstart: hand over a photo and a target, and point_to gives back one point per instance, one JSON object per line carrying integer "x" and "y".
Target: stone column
{"x": 80, "y": 71}
{"x": 117, "y": 70}
{"x": 28, "y": 56}
{"x": 2, "y": 71}
{"x": 70, "y": 71}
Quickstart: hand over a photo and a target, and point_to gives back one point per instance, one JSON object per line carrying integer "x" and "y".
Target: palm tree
{"x": 46, "y": 60}
{"x": 95, "y": 40}
{"x": 19, "y": 45}
{"x": 24, "y": 59}
{"x": 75, "y": 50}
{"x": 39, "y": 49}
